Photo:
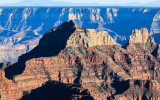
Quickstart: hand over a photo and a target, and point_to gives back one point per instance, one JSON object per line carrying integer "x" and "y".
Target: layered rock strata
{"x": 94, "y": 62}
{"x": 8, "y": 89}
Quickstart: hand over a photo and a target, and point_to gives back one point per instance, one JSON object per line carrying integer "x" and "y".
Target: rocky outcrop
{"x": 81, "y": 57}
{"x": 8, "y": 89}
{"x": 68, "y": 34}
{"x": 141, "y": 39}
{"x": 89, "y": 38}
{"x": 141, "y": 36}
{"x": 76, "y": 36}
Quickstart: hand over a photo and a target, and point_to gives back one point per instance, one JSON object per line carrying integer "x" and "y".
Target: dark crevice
{"x": 46, "y": 72}
{"x": 155, "y": 52}
{"x": 127, "y": 58}
{"x": 80, "y": 69}
{"x": 137, "y": 82}
{"x": 59, "y": 75}
{"x": 120, "y": 86}
{"x": 144, "y": 97}
{"x": 104, "y": 70}
{"x": 1, "y": 65}
{"x": 95, "y": 71}
{"x": 147, "y": 84}
{"x": 113, "y": 57}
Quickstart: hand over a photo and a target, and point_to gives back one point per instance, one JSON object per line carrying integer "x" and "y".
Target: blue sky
{"x": 85, "y": 1}
{"x": 140, "y": 3}
{"x": 9, "y": 1}
{"x": 108, "y": 1}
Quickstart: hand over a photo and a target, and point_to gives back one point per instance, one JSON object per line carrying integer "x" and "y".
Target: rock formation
{"x": 67, "y": 34}
{"x": 89, "y": 62}
{"x": 141, "y": 36}
{"x": 89, "y": 38}
{"x": 142, "y": 39}
{"x": 8, "y": 89}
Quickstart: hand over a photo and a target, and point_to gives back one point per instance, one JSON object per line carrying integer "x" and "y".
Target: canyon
{"x": 75, "y": 63}
{"x": 22, "y": 27}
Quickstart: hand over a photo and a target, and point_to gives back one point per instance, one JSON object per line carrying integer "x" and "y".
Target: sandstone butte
{"x": 79, "y": 64}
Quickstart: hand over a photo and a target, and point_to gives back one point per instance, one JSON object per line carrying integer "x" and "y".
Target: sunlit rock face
{"x": 141, "y": 36}
{"x": 89, "y": 37}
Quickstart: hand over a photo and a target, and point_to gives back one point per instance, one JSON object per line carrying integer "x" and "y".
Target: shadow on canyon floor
{"x": 57, "y": 91}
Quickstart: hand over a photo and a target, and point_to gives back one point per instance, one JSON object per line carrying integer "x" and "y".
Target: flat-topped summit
{"x": 89, "y": 38}
{"x": 141, "y": 36}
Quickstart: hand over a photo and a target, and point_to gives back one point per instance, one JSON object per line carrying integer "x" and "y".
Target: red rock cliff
{"x": 106, "y": 71}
